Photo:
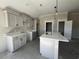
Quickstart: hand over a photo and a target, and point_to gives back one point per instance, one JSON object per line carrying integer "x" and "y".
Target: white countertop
{"x": 15, "y": 34}
{"x": 56, "y": 36}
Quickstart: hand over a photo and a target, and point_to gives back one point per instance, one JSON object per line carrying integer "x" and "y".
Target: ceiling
{"x": 33, "y": 8}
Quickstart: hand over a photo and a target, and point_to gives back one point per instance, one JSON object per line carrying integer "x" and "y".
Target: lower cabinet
{"x": 16, "y": 42}
{"x": 31, "y": 35}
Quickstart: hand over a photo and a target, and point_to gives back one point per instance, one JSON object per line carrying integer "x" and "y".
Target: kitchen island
{"x": 49, "y": 44}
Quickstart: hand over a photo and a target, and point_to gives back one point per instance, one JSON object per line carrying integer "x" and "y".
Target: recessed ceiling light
{"x": 41, "y": 5}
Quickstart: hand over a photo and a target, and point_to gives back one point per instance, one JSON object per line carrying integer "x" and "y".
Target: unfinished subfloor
{"x": 31, "y": 51}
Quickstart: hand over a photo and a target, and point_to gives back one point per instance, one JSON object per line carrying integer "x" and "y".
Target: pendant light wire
{"x": 56, "y": 7}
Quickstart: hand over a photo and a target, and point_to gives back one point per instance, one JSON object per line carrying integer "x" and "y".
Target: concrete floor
{"x": 31, "y": 51}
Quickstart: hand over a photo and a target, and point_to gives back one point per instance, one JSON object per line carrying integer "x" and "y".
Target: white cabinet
{"x": 12, "y": 20}
{"x": 49, "y": 48}
{"x": 19, "y": 20}
{"x": 31, "y": 35}
{"x": 15, "y": 42}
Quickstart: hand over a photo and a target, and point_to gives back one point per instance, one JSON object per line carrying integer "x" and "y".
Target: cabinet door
{"x": 10, "y": 43}
{"x": 11, "y": 20}
{"x": 22, "y": 40}
{"x": 16, "y": 43}
{"x": 19, "y": 20}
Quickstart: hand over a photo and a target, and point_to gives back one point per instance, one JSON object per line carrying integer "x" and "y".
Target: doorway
{"x": 61, "y": 27}
{"x": 48, "y": 26}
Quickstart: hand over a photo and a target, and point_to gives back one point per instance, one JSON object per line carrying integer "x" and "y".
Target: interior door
{"x": 61, "y": 27}
{"x": 68, "y": 29}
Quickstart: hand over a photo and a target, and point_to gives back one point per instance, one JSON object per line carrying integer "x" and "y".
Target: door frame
{"x": 64, "y": 20}
{"x": 60, "y": 26}
{"x": 45, "y": 25}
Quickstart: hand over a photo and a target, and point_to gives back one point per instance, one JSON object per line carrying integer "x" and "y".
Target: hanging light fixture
{"x": 56, "y": 7}
{"x": 56, "y": 10}
{"x": 55, "y": 16}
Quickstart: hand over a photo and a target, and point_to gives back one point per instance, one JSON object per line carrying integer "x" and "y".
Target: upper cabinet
{"x": 13, "y": 18}
{"x": 27, "y": 21}
{"x": 10, "y": 17}
{"x": 19, "y": 21}
{"x": 3, "y": 22}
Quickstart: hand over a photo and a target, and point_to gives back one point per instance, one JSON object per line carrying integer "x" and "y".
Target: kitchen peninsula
{"x": 49, "y": 44}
